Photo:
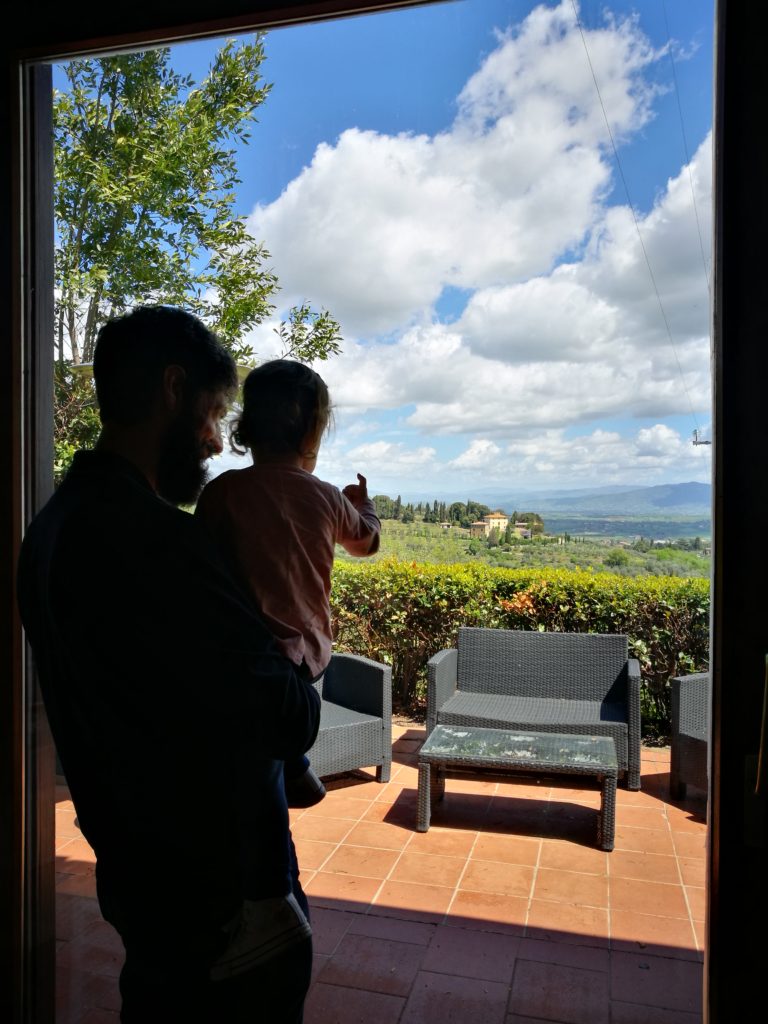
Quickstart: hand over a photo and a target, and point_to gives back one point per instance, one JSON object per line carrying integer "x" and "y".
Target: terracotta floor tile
{"x": 484, "y": 911}
{"x": 571, "y": 887}
{"x": 338, "y": 805}
{"x": 571, "y": 857}
{"x": 590, "y": 958}
{"x": 328, "y": 928}
{"x": 507, "y": 849}
{"x": 651, "y": 867}
{"x": 477, "y": 786}
{"x": 562, "y": 922}
{"x": 648, "y": 897}
{"x": 693, "y": 870}
{"x": 415, "y": 932}
{"x": 646, "y": 797}
{"x": 79, "y": 990}
{"x": 645, "y": 840}
{"x": 364, "y": 861}
{"x": 379, "y": 835}
{"x": 459, "y": 940}
{"x": 375, "y": 964}
{"x": 93, "y": 1016}
{"x": 504, "y": 879}
{"x": 78, "y": 885}
{"x": 96, "y": 951}
{"x": 697, "y": 901}
{"x": 63, "y": 801}
{"x": 514, "y": 809}
{"x": 519, "y": 787}
{"x": 462, "y": 810}
{"x": 566, "y": 994}
{"x": 392, "y": 791}
{"x": 311, "y": 854}
{"x": 332, "y": 1004}
{"x": 587, "y": 796}
{"x": 700, "y": 931}
{"x": 406, "y": 774}
{"x": 443, "y": 999}
{"x": 364, "y": 788}
{"x": 402, "y": 812}
{"x": 631, "y": 1013}
{"x": 669, "y": 983}
{"x": 408, "y": 744}
{"x": 75, "y": 915}
{"x": 634, "y": 932}
{"x": 323, "y": 830}
{"x": 412, "y": 902}
{"x": 516, "y": 1018}
{"x": 688, "y": 844}
{"x": 641, "y": 817}
{"x": 471, "y": 954}
{"x": 76, "y": 858}
{"x": 341, "y": 892}
{"x": 65, "y": 824}
{"x": 687, "y": 826}
{"x": 428, "y": 869}
{"x": 319, "y": 961}
{"x": 445, "y": 842}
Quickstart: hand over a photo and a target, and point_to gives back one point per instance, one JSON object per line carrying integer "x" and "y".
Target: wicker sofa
{"x": 689, "y": 762}
{"x": 540, "y": 682}
{"x": 355, "y": 718}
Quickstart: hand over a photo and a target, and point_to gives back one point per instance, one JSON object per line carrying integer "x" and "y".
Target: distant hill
{"x": 692, "y": 499}
{"x": 685, "y": 499}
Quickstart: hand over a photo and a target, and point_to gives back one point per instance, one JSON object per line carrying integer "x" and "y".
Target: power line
{"x": 685, "y": 145}
{"x": 634, "y": 215}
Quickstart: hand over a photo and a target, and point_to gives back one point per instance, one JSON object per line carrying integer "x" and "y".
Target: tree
{"x": 144, "y": 202}
{"x": 383, "y": 505}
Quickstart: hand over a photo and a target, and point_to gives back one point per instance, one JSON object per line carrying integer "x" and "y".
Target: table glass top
{"x": 502, "y": 745}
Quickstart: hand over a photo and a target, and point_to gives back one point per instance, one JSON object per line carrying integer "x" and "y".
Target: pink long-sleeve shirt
{"x": 279, "y": 526}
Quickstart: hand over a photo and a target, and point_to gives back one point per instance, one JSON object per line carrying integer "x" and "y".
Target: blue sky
{"x": 442, "y": 179}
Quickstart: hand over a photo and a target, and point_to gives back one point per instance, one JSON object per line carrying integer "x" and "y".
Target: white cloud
{"x": 376, "y": 226}
{"x": 562, "y": 327}
{"x": 481, "y": 454}
{"x": 550, "y": 457}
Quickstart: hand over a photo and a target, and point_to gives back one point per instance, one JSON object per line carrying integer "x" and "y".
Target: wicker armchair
{"x": 580, "y": 683}
{"x": 690, "y": 734}
{"x": 355, "y": 718}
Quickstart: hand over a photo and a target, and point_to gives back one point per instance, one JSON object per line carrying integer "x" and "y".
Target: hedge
{"x": 402, "y": 613}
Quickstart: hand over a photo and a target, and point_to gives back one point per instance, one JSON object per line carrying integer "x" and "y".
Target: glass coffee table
{"x": 455, "y": 748}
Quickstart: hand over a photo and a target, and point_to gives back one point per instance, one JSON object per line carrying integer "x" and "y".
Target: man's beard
{"x": 182, "y": 472}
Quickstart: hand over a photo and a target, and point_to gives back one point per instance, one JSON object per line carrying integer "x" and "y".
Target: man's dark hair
{"x": 133, "y": 351}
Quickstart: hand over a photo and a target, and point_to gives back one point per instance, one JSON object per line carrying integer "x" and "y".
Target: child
{"x": 279, "y": 524}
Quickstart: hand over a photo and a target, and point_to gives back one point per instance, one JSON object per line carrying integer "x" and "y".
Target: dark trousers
{"x": 272, "y": 994}
{"x": 165, "y": 978}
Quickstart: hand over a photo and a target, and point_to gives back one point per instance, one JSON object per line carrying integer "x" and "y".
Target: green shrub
{"x": 402, "y": 613}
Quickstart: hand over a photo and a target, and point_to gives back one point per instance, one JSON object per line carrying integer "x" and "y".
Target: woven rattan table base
{"x": 454, "y": 748}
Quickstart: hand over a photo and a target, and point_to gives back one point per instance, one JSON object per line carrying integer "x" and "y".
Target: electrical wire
{"x": 634, "y": 215}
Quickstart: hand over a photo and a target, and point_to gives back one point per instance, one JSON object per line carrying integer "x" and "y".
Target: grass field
{"x": 428, "y": 542}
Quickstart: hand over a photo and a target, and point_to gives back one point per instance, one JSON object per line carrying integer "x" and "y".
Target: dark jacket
{"x": 166, "y": 695}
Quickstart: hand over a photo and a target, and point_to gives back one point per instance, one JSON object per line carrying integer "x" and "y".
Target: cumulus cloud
{"x": 377, "y": 225}
{"x": 564, "y": 323}
{"x": 481, "y": 454}
{"x": 550, "y": 457}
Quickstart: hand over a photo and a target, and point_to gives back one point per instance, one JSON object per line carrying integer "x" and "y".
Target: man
{"x": 166, "y": 695}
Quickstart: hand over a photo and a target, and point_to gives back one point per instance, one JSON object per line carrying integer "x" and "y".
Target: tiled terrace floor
{"x": 503, "y": 913}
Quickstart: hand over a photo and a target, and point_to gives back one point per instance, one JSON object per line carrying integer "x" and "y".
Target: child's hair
{"x": 284, "y": 402}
